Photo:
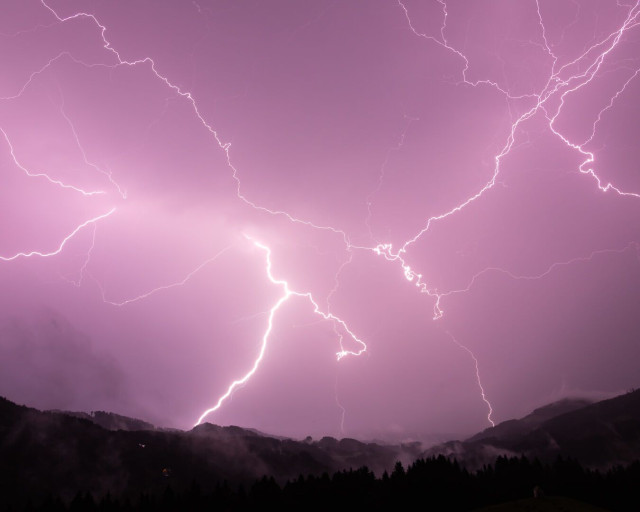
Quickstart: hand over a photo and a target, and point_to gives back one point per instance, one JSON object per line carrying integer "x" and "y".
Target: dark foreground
{"x": 544, "y": 504}
{"x": 435, "y": 483}
{"x": 105, "y": 462}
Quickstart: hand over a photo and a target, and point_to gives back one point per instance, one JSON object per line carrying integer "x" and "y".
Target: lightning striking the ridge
{"x": 475, "y": 361}
{"x": 287, "y": 293}
{"x": 563, "y": 79}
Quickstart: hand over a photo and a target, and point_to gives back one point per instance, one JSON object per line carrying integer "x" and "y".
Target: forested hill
{"x": 599, "y": 434}
{"x": 61, "y": 461}
{"x": 62, "y": 453}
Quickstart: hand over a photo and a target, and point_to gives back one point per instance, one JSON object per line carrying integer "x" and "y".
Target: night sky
{"x": 383, "y": 219}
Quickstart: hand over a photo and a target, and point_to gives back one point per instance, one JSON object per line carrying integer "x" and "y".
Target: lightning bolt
{"x": 560, "y": 84}
{"x": 46, "y": 176}
{"x": 554, "y": 86}
{"x": 338, "y": 323}
{"x": 475, "y": 361}
{"x": 585, "y": 79}
{"x": 58, "y": 250}
{"x": 287, "y": 293}
{"x": 224, "y": 146}
{"x": 551, "y": 89}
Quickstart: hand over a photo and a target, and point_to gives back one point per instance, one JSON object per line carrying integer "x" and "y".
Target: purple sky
{"x": 154, "y": 153}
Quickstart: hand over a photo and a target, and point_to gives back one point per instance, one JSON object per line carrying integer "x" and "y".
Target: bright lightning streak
{"x": 386, "y": 250}
{"x": 589, "y": 74}
{"x": 225, "y": 146}
{"x": 265, "y": 338}
{"x": 558, "y": 85}
{"x": 287, "y": 293}
{"x": 62, "y": 244}
{"x": 475, "y": 360}
{"x": 58, "y": 183}
{"x": 553, "y": 86}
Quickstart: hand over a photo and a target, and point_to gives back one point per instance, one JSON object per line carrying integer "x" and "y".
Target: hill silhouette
{"x": 518, "y": 428}
{"x": 109, "y": 420}
{"x": 599, "y": 435}
{"x": 63, "y": 453}
{"x": 58, "y": 459}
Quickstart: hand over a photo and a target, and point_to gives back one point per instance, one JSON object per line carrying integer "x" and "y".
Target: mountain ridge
{"x": 599, "y": 434}
{"x": 58, "y": 453}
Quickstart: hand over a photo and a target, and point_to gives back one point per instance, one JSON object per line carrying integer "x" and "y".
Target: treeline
{"x": 436, "y": 483}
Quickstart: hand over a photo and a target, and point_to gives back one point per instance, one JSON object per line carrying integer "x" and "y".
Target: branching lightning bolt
{"x": 54, "y": 181}
{"x": 225, "y": 146}
{"x": 554, "y": 85}
{"x": 559, "y": 85}
{"x": 287, "y": 293}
